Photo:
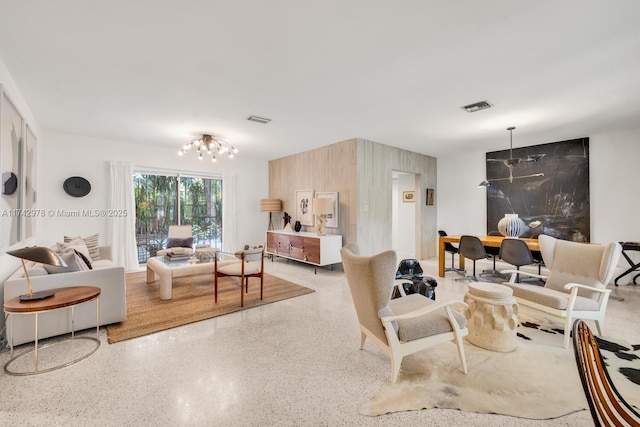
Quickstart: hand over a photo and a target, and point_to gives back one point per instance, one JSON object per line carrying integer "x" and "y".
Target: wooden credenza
{"x": 305, "y": 247}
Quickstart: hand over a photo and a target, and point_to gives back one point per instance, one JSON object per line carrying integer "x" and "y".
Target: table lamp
{"x": 321, "y": 208}
{"x": 270, "y": 205}
{"x": 37, "y": 254}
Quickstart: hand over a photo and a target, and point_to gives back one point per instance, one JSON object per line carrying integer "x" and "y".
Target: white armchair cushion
{"x": 235, "y": 269}
{"x": 180, "y": 231}
{"x": 430, "y": 324}
{"x": 551, "y": 298}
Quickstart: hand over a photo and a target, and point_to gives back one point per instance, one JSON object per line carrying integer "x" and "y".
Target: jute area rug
{"x": 192, "y": 301}
{"x": 537, "y": 381}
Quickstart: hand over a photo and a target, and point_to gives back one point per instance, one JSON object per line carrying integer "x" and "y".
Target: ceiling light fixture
{"x": 512, "y": 162}
{"x": 257, "y": 119}
{"x": 477, "y": 106}
{"x": 210, "y": 145}
{"x": 487, "y": 182}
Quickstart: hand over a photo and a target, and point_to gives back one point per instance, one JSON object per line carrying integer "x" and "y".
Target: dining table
{"x": 493, "y": 241}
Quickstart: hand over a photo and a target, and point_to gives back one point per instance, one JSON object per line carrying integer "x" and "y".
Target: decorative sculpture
{"x": 511, "y": 226}
{"x": 287, "y": 222}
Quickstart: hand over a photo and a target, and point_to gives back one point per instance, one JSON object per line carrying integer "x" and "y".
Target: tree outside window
{"x": 163, "y": 200}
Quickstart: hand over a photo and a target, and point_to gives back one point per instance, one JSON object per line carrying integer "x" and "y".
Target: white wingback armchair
{"x": 576, "y": 287}
{"x": 400, "y": 326}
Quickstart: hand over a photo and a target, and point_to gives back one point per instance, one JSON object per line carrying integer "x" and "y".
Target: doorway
{"x": 403, "y": 214}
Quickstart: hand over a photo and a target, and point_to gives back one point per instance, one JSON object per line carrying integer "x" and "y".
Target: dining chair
{"x": 493, "y": 252}
{"x": 449, "y": 248}
{"x": 251, "y": 264}
{"x": 472, "y": 248}
{"x": 537, "y": 256}
{"x": 517, "y": 253}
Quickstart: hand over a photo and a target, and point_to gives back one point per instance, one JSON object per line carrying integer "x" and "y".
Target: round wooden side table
{"x": 63, "y": 298}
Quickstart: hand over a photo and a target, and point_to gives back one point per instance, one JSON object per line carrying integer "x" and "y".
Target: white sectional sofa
{"x": 105, "y": 275}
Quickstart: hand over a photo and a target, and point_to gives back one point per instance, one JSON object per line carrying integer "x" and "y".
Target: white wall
{"x": 462, "y": 206}
{"x": 615, "y": 205}
{"x": 614, "y": 158}
{"x": 6, "y": 80}
{"x": 62, "y": 155}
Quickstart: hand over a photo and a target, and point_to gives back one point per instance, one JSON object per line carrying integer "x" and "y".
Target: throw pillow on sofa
{"x": 73, "y": 261}
{"x": 92, "y": 242}
{"x": 75, "y": 244}
{"x": 84, "y": 259}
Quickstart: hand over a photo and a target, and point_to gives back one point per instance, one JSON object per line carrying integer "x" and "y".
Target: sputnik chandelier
{"x": 210, "y": 145}
{"x": 512, "y": 162}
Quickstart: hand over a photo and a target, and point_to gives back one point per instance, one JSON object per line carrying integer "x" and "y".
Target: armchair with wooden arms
{"x": 576, "y": 287}
{"x": 250, "y": 264}
{"x": 400, "y": 326}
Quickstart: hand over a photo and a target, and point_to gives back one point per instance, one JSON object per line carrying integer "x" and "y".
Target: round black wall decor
{"x": 10, "y": 183}
{"x": 76, "y": 186}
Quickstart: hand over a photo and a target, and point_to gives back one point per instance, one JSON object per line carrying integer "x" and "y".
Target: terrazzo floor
{"x": 291, "y": 363}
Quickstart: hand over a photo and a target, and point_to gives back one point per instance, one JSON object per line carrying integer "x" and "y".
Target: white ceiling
{"x": 160, "y": 72}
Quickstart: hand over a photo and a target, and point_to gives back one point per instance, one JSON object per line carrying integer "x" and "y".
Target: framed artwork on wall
{"x": 431, "y": 196}
{"x": 551, "y": 195}
{"x": 11, "y": 125}
{"x": 304, "y": 205}
{"x": 332, "y": 219}
{"x": 30, "y": 194}
{"x": 408, "y": 196}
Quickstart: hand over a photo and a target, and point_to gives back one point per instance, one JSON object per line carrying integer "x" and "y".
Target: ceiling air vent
{"x": 472, "y": 108}
{"x": 258, "y": 119}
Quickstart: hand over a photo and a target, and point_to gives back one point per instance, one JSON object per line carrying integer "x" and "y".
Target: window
{"x": 165, "y": 199}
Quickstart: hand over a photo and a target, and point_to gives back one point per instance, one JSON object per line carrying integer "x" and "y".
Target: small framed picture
{"x": 431, "y": 196}
{"x": 409, "y": 196}
{"x": 304, "y": 206}
{"x": 332, "y": 218}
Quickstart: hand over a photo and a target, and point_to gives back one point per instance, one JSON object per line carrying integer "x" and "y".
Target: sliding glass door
{"x": 166, "y": 199}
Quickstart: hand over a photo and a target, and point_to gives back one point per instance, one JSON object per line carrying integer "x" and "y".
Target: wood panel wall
{"x": 361, "y": 172}
{"x": 329, "y": 168}
{"x": 375, "y": 165}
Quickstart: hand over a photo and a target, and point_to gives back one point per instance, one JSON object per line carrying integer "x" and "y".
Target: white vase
{"x": 511, "y": 226}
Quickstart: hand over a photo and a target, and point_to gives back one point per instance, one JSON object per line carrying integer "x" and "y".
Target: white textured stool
{"x": 492, "y": 316}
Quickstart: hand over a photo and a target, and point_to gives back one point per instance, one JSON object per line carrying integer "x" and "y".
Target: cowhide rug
{"x": 537, "y": 381}
{"x": 622, "y": 359}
